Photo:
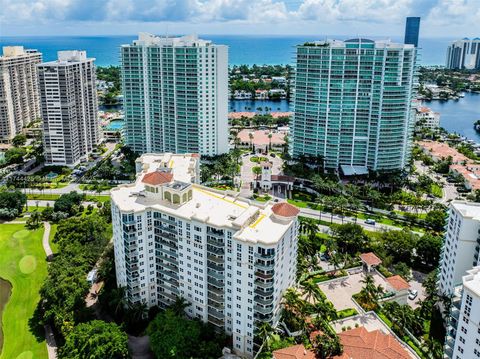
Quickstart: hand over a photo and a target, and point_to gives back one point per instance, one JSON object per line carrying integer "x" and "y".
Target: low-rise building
{"x": 427, "y": 118}
{"x": 441, "y": 150}
{"x": 261, "y": 94}
{"x": 230, "y": 258}
{"x": 242, "y": 95}
{"x": 470, "y": 173}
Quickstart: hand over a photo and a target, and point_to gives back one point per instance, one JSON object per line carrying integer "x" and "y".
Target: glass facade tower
{"x": 352, "y": 104}
{"x": 175, "y": 95}
{"x": 412, "y": 30}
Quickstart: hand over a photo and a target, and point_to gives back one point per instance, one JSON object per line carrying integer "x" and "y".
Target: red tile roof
{"x": 285, "y": 209}
{"x": 294, "y": 352}
{"x": 260, "y": 137}
{"x": 370, "y": 259}
{"x": 398, "y": 283}
{"x": 157, "y": 177}
{"x": 359, "y": 343}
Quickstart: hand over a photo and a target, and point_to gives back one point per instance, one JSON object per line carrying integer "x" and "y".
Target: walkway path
{"x": 49, "y": 337}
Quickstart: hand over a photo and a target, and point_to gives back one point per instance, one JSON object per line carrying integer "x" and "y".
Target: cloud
{"x": 354, "y": 10}
{"x": 455, "y": 12}
{"x": 437, "y": 14}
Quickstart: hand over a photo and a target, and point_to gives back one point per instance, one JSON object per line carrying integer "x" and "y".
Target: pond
{"x": 5, "y": 291}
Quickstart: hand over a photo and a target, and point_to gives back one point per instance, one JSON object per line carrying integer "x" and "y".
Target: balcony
{"x": 215, "y": 232}
{"x": 215, "y": 313}
{"x": 263, "y": 299}
{"x": 263, "y": 310}
{"x": 215, "y": 282}
{"x": 215, "y": 242}
{"x": 455, "y": 313}
{"x": 216, "y": 259}
{"x": 265, "y": 256}
{"x": 263, "y": 284}
{"x": 216, "y": 275}
{"x": 214, "y": 290}
{"x": 264, "y": 266}
{"x": 215, "y": 266}
{"x": 262, "y": 275}
{"x": 264, "y": 292}
{"x": 216, "y": 322}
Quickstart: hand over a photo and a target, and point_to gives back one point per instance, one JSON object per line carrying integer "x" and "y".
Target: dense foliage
{"x": 68, "y": 203}
{"x": 174, "y": 336}
{"x": 80, "y": 242}
{"x": 95, "y": 340}
{"x": 11, "y": 203}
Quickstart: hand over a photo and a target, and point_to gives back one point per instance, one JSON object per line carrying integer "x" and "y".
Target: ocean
{"x": 242, "y": 49}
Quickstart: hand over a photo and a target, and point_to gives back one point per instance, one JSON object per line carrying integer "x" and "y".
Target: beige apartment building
{"x": 19, "y": 101}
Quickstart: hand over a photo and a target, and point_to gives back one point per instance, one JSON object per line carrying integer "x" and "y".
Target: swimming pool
{"x": 115, "y": 125}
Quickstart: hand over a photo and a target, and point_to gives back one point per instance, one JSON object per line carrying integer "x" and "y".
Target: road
{"x": 378, "y": 227}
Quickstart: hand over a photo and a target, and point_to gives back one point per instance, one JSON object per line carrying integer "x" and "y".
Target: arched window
{"x": 176, "y": 198}
{"x": 189, "y": 194}
{"x": 168, "y": 196}
{"x": 185, "y": 197}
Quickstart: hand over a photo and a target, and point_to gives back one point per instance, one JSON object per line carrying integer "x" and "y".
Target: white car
{"x": 370, "y": 221}
{"x": 413, "y": 294}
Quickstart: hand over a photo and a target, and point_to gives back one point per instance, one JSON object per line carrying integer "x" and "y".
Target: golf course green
{"x": 23, "y": 268}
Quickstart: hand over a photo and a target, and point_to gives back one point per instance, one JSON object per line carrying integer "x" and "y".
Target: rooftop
{"x": 157, "y": 177}
{"x": 294, "y": 352}
{"x": 161, "y": 41}
{"x": 398, "y": 283}
{"x": 443, "y": 150}
{"x": 69, "y": 57}
{"x": 359, "y": 343}
{"x": 251, "y": 222}
{"x": 471, "y": 281}
{"x": 467, "y": 209}
{"x": 370, "y": 259}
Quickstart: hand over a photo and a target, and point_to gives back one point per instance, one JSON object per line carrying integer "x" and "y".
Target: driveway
{"x": 247, "y": 175}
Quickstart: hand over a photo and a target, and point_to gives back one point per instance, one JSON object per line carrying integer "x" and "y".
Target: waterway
{"x": 5, "y": 292}
{"x": 459, "y": 115}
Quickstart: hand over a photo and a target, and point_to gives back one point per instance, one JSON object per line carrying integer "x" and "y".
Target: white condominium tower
{"x": 19, "y": 104}
{"x": 229, "y": 258}
{"x": 352, "y": 104}
{"x": 464, "y": 54}
{"x": 461, "y": 246}
{"x": 463, "y": 331}
{"x": 175, "y": 95}
{"x": 71, "y": 127}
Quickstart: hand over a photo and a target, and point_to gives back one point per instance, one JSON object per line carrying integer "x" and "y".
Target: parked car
{"x": 273, "y": 155}
{"x": 412, "y": 294}
{"x": 370, "y": 221}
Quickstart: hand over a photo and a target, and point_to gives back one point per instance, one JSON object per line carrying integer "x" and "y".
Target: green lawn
{"x": 22, "y": 263}
{"x": 436, "y": 190}
{"x": 54, "y": 197}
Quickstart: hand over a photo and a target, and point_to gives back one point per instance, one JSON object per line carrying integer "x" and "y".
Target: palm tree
{"x": 311, "y": 291}
{"x": 179, "y": 305}
{"x": 264, "y": 332}
{"x": 250, "y": 136}
{"x": 270, "y": 141}
{"x": 308, "y": 226}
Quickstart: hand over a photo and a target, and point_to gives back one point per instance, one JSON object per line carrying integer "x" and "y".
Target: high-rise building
{"x": 461, "y": 246}
{"x": 412, "y": 30}
{"x": 19, "y": 103}
{"x": 231, "y": 259}
{"x": 71, "y": 127}
{"x": 463, "y": 330}
{"x": 464, "y": 54}
{"x": 352, "y": 104}
{"x": 175, "y": 95}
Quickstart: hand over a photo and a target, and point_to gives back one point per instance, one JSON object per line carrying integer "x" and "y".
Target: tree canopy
{"x": 174, "y": 336}
{"x": 95, "y": 340}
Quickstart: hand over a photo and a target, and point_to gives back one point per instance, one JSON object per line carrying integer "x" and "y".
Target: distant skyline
{"x": 440, "y": 18}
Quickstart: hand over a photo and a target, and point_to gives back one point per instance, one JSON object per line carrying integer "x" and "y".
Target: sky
{"x": 440, "y": 18}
